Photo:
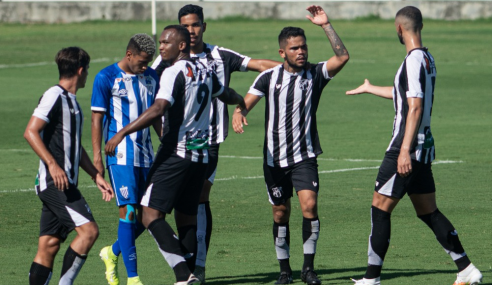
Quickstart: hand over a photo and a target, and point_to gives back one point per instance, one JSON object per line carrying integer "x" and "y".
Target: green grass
{"x": 350, "y": 128}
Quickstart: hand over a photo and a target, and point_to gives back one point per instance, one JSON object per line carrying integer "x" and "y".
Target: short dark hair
{"x": 70, "y": 59}
{"x": 191, "y": 9}
{"x": 183, "y": 33}
{"x": 412, "y": 14}
{"x": 141, "y": 43}
{"x": 289, "y": 32}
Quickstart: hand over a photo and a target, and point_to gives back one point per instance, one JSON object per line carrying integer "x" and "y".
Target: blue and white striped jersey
{"x": 123, "y": 97}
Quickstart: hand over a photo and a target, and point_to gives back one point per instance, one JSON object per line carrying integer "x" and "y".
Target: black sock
{"x": 209, "y": 223}
{"x": 187, "y": 238}
{"x": 39, "y": 274}
{"x": 447, "y": 237}
{"x": 72, "y": 263}
{"x": 378, "y": 242}
{"x": 170, "y": 248}
{"x": 285, "y": 265}
{"x": 310, "y": 234}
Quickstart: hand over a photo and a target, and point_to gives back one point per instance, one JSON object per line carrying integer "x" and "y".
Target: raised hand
{"x": 318, "y": 17}
{"x": 364, "y": 88}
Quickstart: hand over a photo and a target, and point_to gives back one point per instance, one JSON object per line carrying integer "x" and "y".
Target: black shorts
{"x": 280, "y": 181}
{"x": 174, "y": 183}
{"x": 213, "y": 159}
{"x": 63, "y": 211}
{"x": 390, "y": 183}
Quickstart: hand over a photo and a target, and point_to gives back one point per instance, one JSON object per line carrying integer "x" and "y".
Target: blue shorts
{"x": 128, "y": 183}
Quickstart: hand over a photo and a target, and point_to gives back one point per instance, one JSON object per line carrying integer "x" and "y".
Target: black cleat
{"x": 284, "y": 278}
{"x": 310, "y": 277}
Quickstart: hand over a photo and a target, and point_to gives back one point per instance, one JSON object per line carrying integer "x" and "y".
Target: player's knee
{"x": 129, "y": 215}
{"x": 281, "y": 216}
{"x": 51, "y": 246}
{"x": 89, "y": 232}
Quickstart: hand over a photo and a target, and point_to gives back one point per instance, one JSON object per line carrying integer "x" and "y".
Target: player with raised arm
{"x": 224, "y": 62}
{"x": 406, "y": 167}
{"x": 122, "y": 92}
{"x": 292, "y": 143}
{"x": 176, "y": 177}
{"x": 54, "y": 133}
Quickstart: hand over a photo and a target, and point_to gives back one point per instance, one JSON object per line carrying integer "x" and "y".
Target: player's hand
{"x": 238, "y": 119}
{"x": 105, "y": 188}
{"x": 99, "y": 165}
{"x": 364, "y": 88}
{"x": 59, "y": 177}
{"x": 404, "y": 163}
{"x": 319, "y": 16}
{"x": 112, "y": 144}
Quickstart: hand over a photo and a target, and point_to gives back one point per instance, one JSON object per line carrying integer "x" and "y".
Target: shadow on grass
{"x": 343, "y": 276}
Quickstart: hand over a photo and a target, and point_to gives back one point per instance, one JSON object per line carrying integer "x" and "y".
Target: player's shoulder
{"x": 418, "y": 55}
{"x": 54, "y": 92}
{"x": 108, "y": 72}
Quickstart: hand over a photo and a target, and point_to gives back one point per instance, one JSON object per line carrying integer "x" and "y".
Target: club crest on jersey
{"x": 124, "y": 191}
{"x": 303, "y": 84}
{"x": 277, "y": 192}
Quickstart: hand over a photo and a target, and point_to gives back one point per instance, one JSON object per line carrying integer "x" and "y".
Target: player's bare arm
{"x": 157, "y": 125}
{"x": 381, "y": 91}
{"x": 341, "y": 57}
{"x": 261, "y": 65}
{"x": 239, "y": 116}
{"x": 89, "y": 168}
{"x": 231, "y": 97}
{"x": 96, "y": 130}
{"x": 143, "y": 121}
{"x": 411, "y": 129}
{"x": 33, "y": 137}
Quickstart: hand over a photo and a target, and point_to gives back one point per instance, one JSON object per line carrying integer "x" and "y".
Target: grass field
{"x": 354, "y": 134}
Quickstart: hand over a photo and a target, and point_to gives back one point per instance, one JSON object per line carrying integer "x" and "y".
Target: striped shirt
{"x": 62, "y": 134}
{"x": 224, "y": 62}
{"x": 416, "y": 78}
{"x": 291, "y": 135}
{"x": 123, "y": 97}
{"x": 189, "y": 87}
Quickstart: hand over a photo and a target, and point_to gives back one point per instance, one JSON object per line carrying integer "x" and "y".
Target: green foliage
{"x": 354, "y": 132}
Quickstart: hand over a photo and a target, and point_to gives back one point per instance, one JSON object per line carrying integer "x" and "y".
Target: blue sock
{"x": 116, "y": 245}
{"x": 126, "y": 240}
{"x": 116, "y": 248}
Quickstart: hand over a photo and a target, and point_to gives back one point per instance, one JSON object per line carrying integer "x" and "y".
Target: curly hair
{"x": 142, "y": 43}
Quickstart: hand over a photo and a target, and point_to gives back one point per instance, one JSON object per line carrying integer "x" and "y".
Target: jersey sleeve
{"x": 236, "y": 61}
{"x": 261, "y": 84}
{"x": 156, "y": 62}
{"x": 45, "y": 108}
{"x": 415, "y": 75}
{"x": 172, "y": 84}
{"x": 217, "y": 87}
{"x": 101, "y": 93}
{"x": 321, "y": 77}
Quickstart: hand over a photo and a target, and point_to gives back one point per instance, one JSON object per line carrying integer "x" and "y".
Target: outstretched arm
{"x": 231, "y": 97}
{"x": 143, "y": 121}
{"x": 239, "y": 116}
{"x": 341, "y": 57}
{"x": 367, "y": 87}
{"x": 261, "y": 65}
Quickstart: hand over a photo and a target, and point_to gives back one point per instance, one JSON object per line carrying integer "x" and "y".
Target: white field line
{"x": 260, "y": 176}
{"x": 44, "y": 63}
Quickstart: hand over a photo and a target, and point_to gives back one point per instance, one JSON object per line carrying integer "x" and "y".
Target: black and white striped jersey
{"x": 291, "y": 134}
{"x": 189, "y": 86}
{"x": 62, "y": 134}
{"x": 224, "y": 62}
{"x": 416, "y": 78}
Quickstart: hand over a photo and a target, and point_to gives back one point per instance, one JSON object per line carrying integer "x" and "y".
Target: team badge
{"x": 119, "y": 155}
{"x": 124, "y": 191}
{"x": 277, "y": 192}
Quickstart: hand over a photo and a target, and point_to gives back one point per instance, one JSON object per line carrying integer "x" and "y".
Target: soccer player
{"x": 406, "y": 167}
{"x": 292, "y": 143}
{"x": 224, "y": 62}
{"x": 54, "y": 133}
{"x": 122, "y": 92}
{"x": 176, "y": 177}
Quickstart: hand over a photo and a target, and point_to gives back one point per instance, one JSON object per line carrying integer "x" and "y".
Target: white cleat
{"x": 364, "y": 281}
{"x": 469, "y": 276}
{"x": 191, "y": 280}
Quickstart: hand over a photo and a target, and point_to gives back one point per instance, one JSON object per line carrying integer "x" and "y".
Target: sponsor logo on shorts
{"x": 124, "y": 191}
{"x": 277, "y": 192}
{"x": 315, "y": 184}
{"x": 454, "y": 233}
{"x": 88, "y": 209}
{"x": 377, "y": 183}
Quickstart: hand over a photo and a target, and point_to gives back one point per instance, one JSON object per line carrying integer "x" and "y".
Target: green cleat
{"x": 111, "y": 262}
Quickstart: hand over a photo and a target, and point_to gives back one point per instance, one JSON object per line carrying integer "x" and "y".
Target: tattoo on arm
{"x": 336, "y": 42}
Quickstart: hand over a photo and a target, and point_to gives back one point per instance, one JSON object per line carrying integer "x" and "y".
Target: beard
{"x": 294, "y": 64}
{"x": 400, "y": 37}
